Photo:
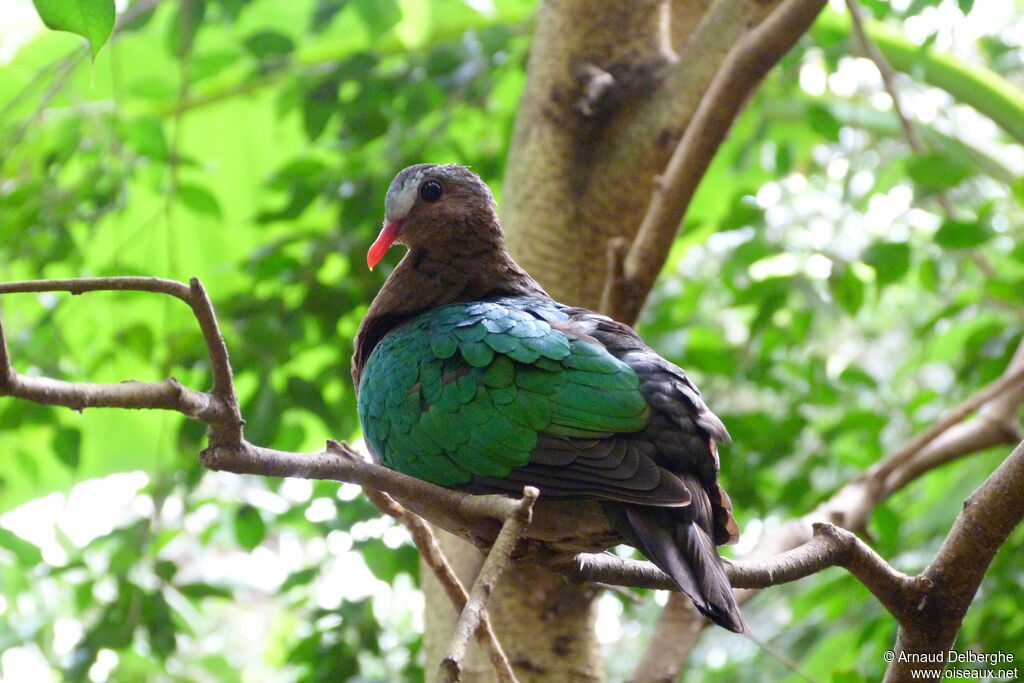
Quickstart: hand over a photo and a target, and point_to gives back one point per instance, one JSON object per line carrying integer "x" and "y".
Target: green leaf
{"x": 299, "y": 578}
{"x": 856, "y": 375}
{"x": 318, "y": 105}
{"x": 323, "y": 13}
{"x": 269, "y": 45}
{"x": 847, "y": 288}
{"x": 887, "y": 526}
{"x": 938, "y": 171}
{"x": 928, "y": 273}
{"x": 378, "y": 15}
{"x": 891, "y": 261}
{"x": 199, "y": 199}
{"x": 27, "y": 554}
{"x": 961, "y": 234}
{"x": 230, "y": 9}
{"x": 146, "y": 136}
{"x": 309, "y": 396}
{"x": 198, "y": 591}
{"x": 1017, "y": 190}
{"x": 117, "y": 625}
{"x": 823, "y": 122}
{"x": 156, "y": 615}
{"x": 386, "y": 563}
{"x": 249, "y": 527}
{"x": 67, "y": 445}
{"x": 91, "y": 19}
{"x": 165, "y": 569}
{"x": 126, "y": 554}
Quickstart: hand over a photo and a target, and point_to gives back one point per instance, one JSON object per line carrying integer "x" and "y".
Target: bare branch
{"x": 220, "y": 365}
{"x": 1013, "y": 379}
{"x": 851, "y": 506}
{"x": 7, "y": 374}
{"x": 888, "y": 74}
{"x": 217, "y": 409}
{"x": 497, "y": 561}
{"x": 829, "y": 546}
{"x": 750, "y": 59}
{"x": 989, "y": 515}
{"x": 431, "y": 553}
{"x": 167, "y": 394}
{"x": 97, "y": 284}
{"x": 226, "y": 430}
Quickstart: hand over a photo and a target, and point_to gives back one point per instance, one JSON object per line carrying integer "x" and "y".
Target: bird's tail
{"x": 684, "y": 551}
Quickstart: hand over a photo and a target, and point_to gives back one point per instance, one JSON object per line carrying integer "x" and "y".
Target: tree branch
{"x": 431, "y": 553}
{"x": 829, "y": 546}
{"x": 749, "y": 61}
{"x": 851, "y": 506}
{"x": 474, "y": 517}
{"x": 988, "y": 517}
{"x": 888, "y": 75}
{"x": 474, "y": 612}
{"x": 501, "y": 523}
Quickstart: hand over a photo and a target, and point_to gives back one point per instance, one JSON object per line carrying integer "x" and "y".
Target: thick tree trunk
{"x": 611, "y": 89}
{"x": 440, "y": 616}
{"x": 545, "y": 624}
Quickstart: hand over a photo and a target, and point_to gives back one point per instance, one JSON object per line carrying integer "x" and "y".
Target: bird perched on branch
{"x": 471, "y": 377}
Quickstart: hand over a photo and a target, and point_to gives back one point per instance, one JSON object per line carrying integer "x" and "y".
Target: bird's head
{"x": 432, "y": 206}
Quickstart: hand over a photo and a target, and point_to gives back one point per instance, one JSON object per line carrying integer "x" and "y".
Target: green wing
{"x": 465, "y": 390}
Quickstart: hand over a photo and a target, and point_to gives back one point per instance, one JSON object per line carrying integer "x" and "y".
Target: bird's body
{"x": 471, "y": 377}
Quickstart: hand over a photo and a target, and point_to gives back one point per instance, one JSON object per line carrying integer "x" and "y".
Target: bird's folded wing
{"x": 491, "y": 396}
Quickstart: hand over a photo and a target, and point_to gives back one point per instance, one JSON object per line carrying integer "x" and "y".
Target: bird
{"x": 470, "y": 376}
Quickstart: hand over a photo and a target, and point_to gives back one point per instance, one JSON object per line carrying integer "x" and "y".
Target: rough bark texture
{"x": 547, "y": 625}
{"x": 990, "y": 514}
{"x": 610, "y": 90}
{"x": 589, "y": 59}
{"x": 440, "y": 615}
{"x": 544, "y": 623}
{"x": 606, "y": 101}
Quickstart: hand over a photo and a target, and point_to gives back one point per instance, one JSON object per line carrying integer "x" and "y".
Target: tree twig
{"x": 679, "y": 626}
{"x": 473, "y": 516}
{"x": 988, "y": 517}
{"x": 752, "y": 57}
{"x": 431, "y": 553}
{"x": 1013, "y": 378}
{"x": 501, "y": 523}
{"x": 910, "y": 129}
{"x": 829, "y": 546}
{"x": 888, "y": 75}
{"x": 497, "y": 560}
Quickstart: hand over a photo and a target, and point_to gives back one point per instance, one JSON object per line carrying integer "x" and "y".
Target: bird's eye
{"x": 430, "y": 191}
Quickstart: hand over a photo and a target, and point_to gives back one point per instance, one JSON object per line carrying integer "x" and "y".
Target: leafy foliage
{"x": 821, "y": 295}
{"x": 91, "y": 19}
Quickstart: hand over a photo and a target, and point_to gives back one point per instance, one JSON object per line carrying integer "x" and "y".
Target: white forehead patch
{"x": 402, "y": 195}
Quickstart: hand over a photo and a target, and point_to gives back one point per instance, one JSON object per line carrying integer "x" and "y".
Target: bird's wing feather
{"x": 494, "y": 396}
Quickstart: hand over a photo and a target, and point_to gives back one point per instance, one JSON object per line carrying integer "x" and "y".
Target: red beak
{"x": 384, "y": 240}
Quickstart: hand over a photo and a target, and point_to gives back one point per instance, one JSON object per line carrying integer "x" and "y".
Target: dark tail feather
{"x": 685, "y": 552}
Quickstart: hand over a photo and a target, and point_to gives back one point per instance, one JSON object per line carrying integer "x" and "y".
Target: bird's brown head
{"x": 430, "y": 206}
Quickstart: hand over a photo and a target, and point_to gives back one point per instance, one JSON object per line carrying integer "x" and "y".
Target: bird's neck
{"x": 428, "y": 278}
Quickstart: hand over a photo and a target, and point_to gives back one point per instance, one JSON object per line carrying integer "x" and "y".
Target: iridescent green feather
{"x": 466, "y": 389}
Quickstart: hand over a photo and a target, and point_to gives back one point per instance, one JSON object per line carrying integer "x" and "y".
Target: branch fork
{"x": 500, "y": 524}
